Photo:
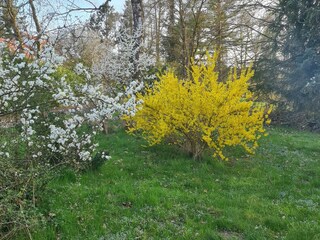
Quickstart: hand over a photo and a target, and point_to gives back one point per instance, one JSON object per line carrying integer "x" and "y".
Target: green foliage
{"x": 30, "y": 151}
{"x": 70, "y": 76}
{"x": 293, "y": 61}
{"x": 97, "y": 161}
{"x": 18, "y": 187}
{"x": 159, "y": 193}
{"x": 103, "y": 20}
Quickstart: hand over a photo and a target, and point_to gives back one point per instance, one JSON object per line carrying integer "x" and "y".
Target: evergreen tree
{"x": 295, "y": 58}
{"x": 104, "y": 20}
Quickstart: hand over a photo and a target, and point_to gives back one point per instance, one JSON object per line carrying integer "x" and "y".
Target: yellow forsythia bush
{"x": 202, "y": 112}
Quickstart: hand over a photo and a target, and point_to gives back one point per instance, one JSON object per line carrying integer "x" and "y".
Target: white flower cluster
{"x": 21, "y": 78}
{"x": 27, "y": 120}
{"x": 119, "y": 64}
{"x": 96, "y": 103}
{"x": 30, "y": 91}
{"x": 66, "y": 141}
{"x": 3, "y": 152}
{"x": 105, "y": 156}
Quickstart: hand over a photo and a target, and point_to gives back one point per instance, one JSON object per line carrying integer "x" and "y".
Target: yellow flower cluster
{"x": 202, "y": 112}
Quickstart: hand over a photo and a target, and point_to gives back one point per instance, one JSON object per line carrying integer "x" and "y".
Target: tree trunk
{"x": 171, "y": 38}
{"x": 13, "y": 12}
{"x": 36, "y": 22}
{"x": 137, "y": 14}
{"x": 158, "y": 32}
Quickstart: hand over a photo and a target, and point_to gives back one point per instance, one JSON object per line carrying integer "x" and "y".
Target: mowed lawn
{"x": 160, "y": 193}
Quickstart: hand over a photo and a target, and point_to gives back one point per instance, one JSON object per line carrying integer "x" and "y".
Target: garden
{"x": 119, "y": 142}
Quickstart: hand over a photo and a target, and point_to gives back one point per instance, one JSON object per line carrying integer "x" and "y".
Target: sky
{"x": 118, "y": 5}
{"x": 62, "y": 6}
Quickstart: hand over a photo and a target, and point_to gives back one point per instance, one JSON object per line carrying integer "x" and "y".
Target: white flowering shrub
{"x": 118, "y": 66}
{"x": 121, "y": 74}
{"x": 50, "y": 114}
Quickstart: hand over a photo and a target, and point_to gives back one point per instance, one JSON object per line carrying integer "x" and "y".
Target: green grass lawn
{"x": 160, "y": 193}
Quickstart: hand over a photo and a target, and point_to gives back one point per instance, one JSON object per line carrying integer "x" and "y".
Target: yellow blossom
{"x": 202, "y": 112}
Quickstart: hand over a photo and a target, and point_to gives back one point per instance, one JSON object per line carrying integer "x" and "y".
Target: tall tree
{"x": 296, "y": 57}
{"x": 186, "y": 23}
{"x": 219, "y": 27}
{"x": 104, "y": 20}
{"x": 171, "y": 32}
{"x": 9, "y": 19}
{"x": 137, "y": 15}
{"x": 127, "y": 19}
{"x": 154, "y": 15}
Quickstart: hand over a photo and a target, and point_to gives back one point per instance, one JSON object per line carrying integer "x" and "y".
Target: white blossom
{"x": 92, "y": 102}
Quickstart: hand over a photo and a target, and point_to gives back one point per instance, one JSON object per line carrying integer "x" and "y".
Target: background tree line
{"x": 279, "y": 37}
